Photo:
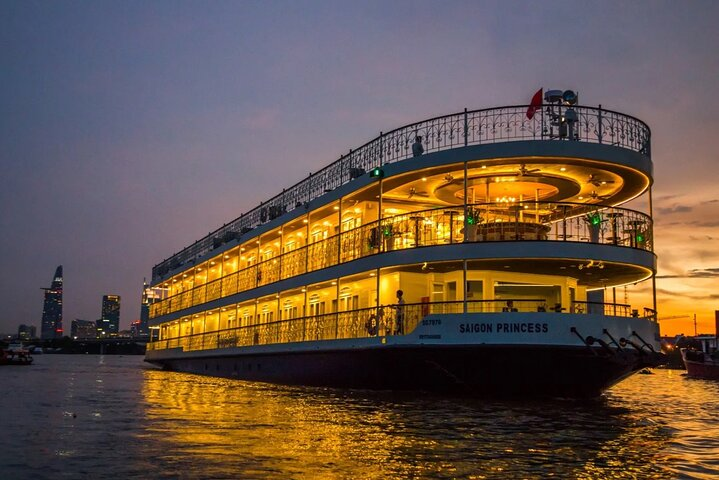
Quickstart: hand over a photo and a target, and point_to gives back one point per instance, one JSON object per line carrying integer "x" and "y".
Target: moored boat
{"x": 15, "y": 356}
{"x": 700, "y": 364}
{"x": 478, "y": 251}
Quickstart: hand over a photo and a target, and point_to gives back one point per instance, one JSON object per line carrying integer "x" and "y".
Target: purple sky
{"x": 131, "y": 129}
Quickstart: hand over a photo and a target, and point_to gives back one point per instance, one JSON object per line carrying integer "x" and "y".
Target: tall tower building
{"x": 111, "y": 313}
{"x": 52, "y": 308}
{"x": 143, "y": 329}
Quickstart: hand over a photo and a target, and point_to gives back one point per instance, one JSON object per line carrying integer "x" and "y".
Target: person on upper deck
{"x": 417, "y": 148}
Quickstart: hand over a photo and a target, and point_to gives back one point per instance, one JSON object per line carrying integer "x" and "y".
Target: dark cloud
{"x": 665, "y": 198}
{"x": 694, "y": 273}
{"x": 700, "y": 238}
{"x": 687, "y": 223}
{"x": 686, "y": 296}
{"x": 704, "y": 273}
{"x": 674, "y": 209}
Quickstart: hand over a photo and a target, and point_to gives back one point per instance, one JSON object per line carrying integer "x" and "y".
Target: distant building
{"x": 125, "y": 334}
{"x": 102, "y": 328}
{"x": 148, "y": 296}
{"x": 52, "y": 308}
{"x": 111, "y": 314}
{"x": 135, "y": 328}
{"x": 708, "y": 342}
{"x": 83, "y": 329}
{"x": 26, "y": 332}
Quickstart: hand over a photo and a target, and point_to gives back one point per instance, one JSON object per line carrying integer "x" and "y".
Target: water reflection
{"x": 72, "y": 416}
{"x": 687, "y": 409}
{"x": 238, "y": 429}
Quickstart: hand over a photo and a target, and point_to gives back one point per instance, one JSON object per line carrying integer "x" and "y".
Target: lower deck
{"x": 538, "y": 353}
{"x": 491, "y": 321}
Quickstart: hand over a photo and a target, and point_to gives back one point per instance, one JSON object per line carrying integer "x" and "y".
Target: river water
{"x": 73, "y": 416}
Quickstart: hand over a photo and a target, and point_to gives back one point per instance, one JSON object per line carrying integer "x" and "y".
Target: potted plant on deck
{"x": 388, "y": 232}
{"x": 374, "y": 240}
{"x": 471, "y": 225}
{"x": 594, "y": 221}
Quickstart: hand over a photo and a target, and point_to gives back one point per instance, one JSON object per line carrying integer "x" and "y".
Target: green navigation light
{"x": 376, "y": 173}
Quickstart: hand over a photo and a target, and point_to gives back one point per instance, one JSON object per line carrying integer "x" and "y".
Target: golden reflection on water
{"x": 263, "y": 428}
{"x": 232, "y": 429}
{"x": 686, "y": 411}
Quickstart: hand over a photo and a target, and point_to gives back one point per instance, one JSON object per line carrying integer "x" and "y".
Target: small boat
{"x": 700, "y": 364}
{"x": 15, "y": 356}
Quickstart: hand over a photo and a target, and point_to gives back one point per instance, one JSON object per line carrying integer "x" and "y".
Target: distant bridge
{"x": 98, "y": 346}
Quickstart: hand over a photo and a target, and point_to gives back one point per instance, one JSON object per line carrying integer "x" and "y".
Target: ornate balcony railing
{"x": 366, "y": 322}
{"x": 493, "y": 125}
{"x": 545, "y": 221}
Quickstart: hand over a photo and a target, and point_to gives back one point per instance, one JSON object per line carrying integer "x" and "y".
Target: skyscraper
{"x": 143, "y": 328}
{"x": 111, "y": 313}
{"x": 52, "y": 308}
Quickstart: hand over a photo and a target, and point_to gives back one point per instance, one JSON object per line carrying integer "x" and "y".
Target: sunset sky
{"x": 130, "y": 129}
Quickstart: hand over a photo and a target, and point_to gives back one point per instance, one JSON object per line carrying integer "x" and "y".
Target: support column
{"x": 377, "y": 286}
{"x": 307, "y": 242}
{"x": 339, "y": 233}
{"x": 279, "y": 307}
{"x": 380, "y": 215}
{"x": 304, "y": 314}
{"x": 464, "y": 283}
{"x": 466, "y": 208}
{"x": 654, "y": 274}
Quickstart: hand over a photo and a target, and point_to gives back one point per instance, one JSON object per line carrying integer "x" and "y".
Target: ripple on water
{"x": 92, "y": 415}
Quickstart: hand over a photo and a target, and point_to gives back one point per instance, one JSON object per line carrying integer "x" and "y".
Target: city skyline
{"x": 133, "y": 130}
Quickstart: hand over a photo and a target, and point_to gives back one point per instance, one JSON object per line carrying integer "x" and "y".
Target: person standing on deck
{"x": 399, "y": 316}
{"x": 417, "y": 148}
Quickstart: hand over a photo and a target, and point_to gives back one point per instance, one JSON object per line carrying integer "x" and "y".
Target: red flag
{"x": 535, "y": 105}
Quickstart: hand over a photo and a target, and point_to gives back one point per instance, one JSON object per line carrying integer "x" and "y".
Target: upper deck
{"x": 455, "y": 131}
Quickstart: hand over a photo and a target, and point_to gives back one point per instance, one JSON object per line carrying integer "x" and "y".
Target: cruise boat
{"x": 480, "y": 252}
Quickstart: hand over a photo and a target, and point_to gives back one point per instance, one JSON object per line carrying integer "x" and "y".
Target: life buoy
{"x": 371, "y": 325}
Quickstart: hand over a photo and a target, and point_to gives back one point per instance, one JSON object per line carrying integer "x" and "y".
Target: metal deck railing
{"x": 475, "y": 127}
{"x": 370, "y": 322}
{"x": 541, "y": 221}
